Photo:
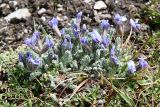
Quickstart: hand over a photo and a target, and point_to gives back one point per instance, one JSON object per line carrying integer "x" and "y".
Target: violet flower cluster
{"x": 113, "y": 57}
{"x": 142, "y": 64}
{"x": 120, "y": 21}
{"x": 29, "y": 61}
{"x": 38, "y": 46}
{"x": 80, "y": 35}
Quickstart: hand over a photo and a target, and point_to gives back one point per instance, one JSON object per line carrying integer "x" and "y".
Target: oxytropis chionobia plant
{"x": 77, "y": 48}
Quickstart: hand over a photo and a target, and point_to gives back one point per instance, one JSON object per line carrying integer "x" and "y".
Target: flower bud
{"x": 142, "y": 63}
{"x": 119, "y": 19}
{"x": 131, "y": 67}
{"x": 96, "y": 37}
{"x": 135, "y": 25}
{"x": 84, "y": 40}
{"x": 104, "y": 24}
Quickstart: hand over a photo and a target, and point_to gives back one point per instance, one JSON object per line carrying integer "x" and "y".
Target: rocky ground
{"x": 19, "y": 18}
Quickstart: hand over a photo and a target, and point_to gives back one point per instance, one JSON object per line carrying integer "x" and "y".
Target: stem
{"x": 127, "y": 40}
{"x": 121, "y": 29}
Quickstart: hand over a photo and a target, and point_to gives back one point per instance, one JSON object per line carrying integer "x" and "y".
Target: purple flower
{"x": 63, "y": 31}
{"x": 114, "y": 59}
{"x": 96, "y": 37}
{"x": 119, "y": 19}
{"x": 78, "y": 16}
{"x": 135, "y": 25}
{"x": 84, "y": 28}
{"x": 142, "y": 63}
{"x": 53, "y": 22}
{"x": 75, "y": 31}
{"x": 68, "y": 37}
{"x": 32, "y": 61}
{"x": 104, "y": 24}
{"x": 36, "y": 34}
{"x": 84, "y": 40}
{"x": 131, "y": 67}
{"x": 105, "y": 41}
{"x": 28, "y": 55}
{"x": 112, "y": 51}
{"x": 48, "y": 42}
{"x": 29, "y": 42}
{"x": 64, "y": 42}
{"x": 20, "y": 57}
{"x": 28, "y": 61}
{"x": 70, "y": 45}
{"x": 33, "y": 40}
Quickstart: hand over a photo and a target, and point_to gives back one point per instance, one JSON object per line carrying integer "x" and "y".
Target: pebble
{"x": 3, "y": 5}
{"x": 60, "y": 9}
{"x": 102, "y": 101}
{"x": 14, "y": 3}
{"x": 107, "y": 16}
{"x": 59, "y": 6}
{"x": 107, "y": 1}
{"x": 18, "y": 14}
{"x": 42, "y": 11}
{"x": 25, "y": 31}
{"x": 99, "y": 5}
{"x": 43, "y": 18}
{"x": 87, "y": 1}
{"x": 97, "y": 19}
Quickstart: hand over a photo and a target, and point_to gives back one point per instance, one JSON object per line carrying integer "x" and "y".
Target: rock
{"x": 60, "y": 9}
{"x": 97, "y": 19}
{"x": 99, "y": 5}
{"x": 59, "y": 6}
{"x": 5, "y": 9}
{"x": 3, "y": 5}
{"x": 102, "y": 101}
{"x": 105, "y": 16}
{"x": 65, "y": 18}
{"x": 25, "y": 31}
{"x": 14, "y": 3}
{"x": 87, "y": 1}
{"x": 20, "y": 14}
{"x": 107, "y": 2}
{"x": 42, "y": 11}
{"x": 95, "y": 12}
{"x": 43, "y": 18}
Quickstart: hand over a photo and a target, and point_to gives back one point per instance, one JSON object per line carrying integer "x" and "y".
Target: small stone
{"x": 43, "y": 18}
{"x": 59, "y": 6}
{"x": 14, "y": 3}
{"x": 3, "y": 5}
{"x": 60, "y": 9}
{"x": 42, "y": 11}
{"x": 107, "y": 1}
{"x": 95, "y": 12}
{"x": 105, "y": 16}
{"x": 87, "y": 1}
{"x": 99, "y": 5}
{"x": 65, "y": 18}
{"x": 97, "y": 19}
{"x": 18, "y": 14}
{"x": 25, "y": 31}
{"x": 102, "y": 101}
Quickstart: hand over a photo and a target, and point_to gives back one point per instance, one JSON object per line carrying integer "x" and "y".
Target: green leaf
{"x": 125, "y": 97}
